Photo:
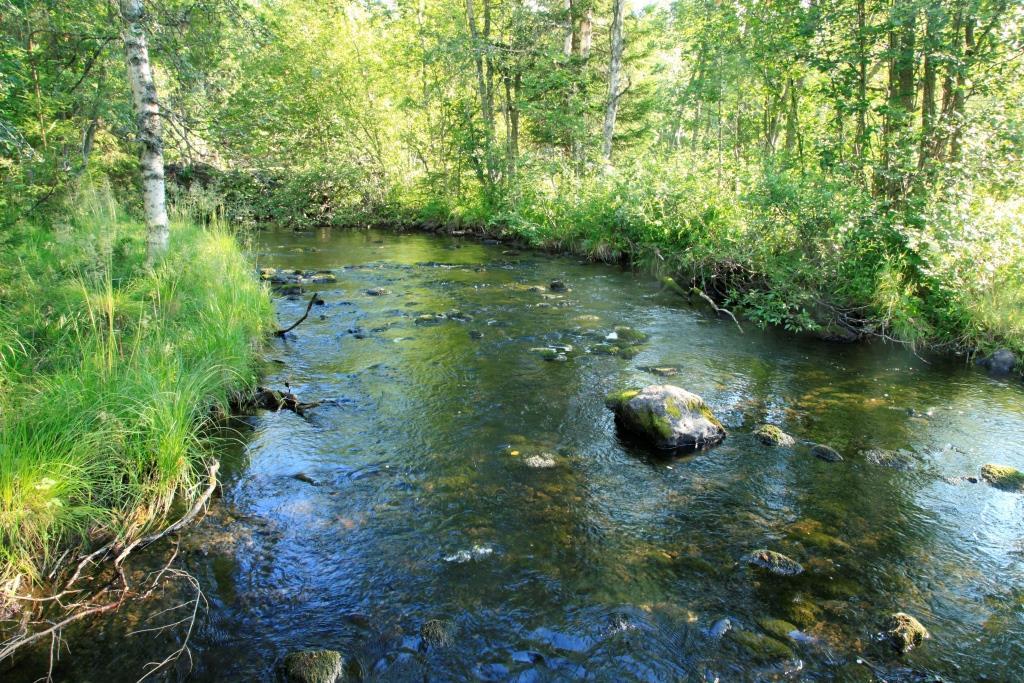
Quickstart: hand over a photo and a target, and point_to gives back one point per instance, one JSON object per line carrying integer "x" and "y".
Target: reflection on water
{"x": 467, "y": 511}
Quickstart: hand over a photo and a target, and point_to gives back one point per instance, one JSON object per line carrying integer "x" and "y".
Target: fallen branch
{"x": 718, "y": 309}
{"x": 312, "y": 300}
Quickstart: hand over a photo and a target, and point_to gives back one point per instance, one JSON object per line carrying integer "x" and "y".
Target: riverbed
{"x": 460, "y": 506}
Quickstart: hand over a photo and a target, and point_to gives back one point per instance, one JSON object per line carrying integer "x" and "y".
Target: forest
{"x": 841, "y": 170}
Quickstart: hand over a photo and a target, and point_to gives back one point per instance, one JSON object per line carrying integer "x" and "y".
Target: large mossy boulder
{"x": 666, "y": 417}
{"x": 313, "y": 666}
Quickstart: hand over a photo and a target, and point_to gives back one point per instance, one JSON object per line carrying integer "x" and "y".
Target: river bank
{"x": 110, "y": 375}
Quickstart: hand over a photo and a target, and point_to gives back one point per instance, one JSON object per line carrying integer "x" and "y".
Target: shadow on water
{"x": 467, "y": 510}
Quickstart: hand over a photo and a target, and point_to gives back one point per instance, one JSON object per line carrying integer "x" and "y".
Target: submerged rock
{"x": 905, "y": 632}
{"x": 1003, "y": 477}
{"x": 550, "y": 352}
{"x": 1002, "y": 362}
{"x": 897, "y": 460}
{"x": 477, "y": 552}
{"x": 826, "y": 453}
{"x": 774, "y": 562}
{"x": 313, "y": 666}
{"x": 542, "y": 461}
{"x": 759, "y": 646}
{"x": 662, "y": 370}
{"x": 779, "y": 628}
{"x": 667, "y": 417}
{"x": 773, "y": 436}
{"x": 376, "y": 291}
{"x": 557, "y": 286}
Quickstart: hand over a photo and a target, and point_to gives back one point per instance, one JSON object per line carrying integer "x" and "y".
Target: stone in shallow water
{"x": 666, "y": 416}
{"x": 477, "y": 552}
{"x": 1003, "y": 477}
{"x": 905, "y": 632}
{"x": 774, "y": 562}
{"x": 760, "y": 647}
{"x": 826, "y": 453}
{"x": 773, "y": 436}
{"x": 562, "y": 641}
{"x": 778, "y": 628}
{"x": 313, "y": 666}
{"x": 542, "y": 461}
{"x": 897, "y": 460}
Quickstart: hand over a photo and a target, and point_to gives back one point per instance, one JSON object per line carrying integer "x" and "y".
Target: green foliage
{"x": 108, "y": 373}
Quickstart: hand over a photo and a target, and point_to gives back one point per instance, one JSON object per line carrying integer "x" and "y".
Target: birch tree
{"x": 147, "y": 121}
{"x": 614, "y": 75}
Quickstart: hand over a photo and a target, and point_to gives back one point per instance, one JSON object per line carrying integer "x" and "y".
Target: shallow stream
{"x": 467, "y": 511}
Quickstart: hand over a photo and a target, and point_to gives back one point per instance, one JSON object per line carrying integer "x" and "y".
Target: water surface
{"x": 430, "y": 548}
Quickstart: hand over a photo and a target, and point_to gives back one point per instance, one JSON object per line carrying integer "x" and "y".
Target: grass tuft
{"x": 107, "y": 374}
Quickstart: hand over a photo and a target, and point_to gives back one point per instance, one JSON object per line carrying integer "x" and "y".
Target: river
{"x": 466, "y": 510}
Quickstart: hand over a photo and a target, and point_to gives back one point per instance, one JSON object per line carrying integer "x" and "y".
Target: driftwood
{"x": 270, "y": 399}
{"x": 312, "y": 300}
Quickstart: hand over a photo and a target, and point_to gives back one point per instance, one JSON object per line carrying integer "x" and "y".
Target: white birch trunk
{"x": 614, "y": 74}
{"x": 147, "y": 119}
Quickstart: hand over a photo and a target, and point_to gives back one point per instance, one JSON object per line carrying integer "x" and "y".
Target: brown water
{"x": 612, "y": 564}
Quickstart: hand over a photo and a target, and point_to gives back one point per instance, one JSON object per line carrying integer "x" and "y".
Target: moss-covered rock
{"x": 666, "y": 417}
{"x": 1003, "y": 477}
{"x": 779, "y": 628}
{"x": 774, "y": 562}
{"x": 773, "y": 436}
{"x": 627, "y": 336}
{"x": 905, "y": 632}
{"x": 313, "y": 666}
{"x": 759, "y": 646}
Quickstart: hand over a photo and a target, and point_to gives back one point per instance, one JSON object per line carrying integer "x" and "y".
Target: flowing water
{"x": 467, "y": 512}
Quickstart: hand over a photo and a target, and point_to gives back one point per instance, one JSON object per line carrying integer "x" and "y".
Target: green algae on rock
{"x": 667, "y": 417}
{"x": 759, "y": 646}
{"x": 779, "y": 628}
{"x": 771, "y": 435}
{"x": 1003, "y": 477}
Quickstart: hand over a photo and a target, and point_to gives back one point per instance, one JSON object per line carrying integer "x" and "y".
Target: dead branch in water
{"x": 312, "y": 300}
{"x": 717, "y": 308}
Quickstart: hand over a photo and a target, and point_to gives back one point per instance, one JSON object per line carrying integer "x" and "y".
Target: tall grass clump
{"x": 108, "y": 373}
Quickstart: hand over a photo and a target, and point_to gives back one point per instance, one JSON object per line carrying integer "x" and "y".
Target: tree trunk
{"x": 792, "y": 117}
{"x": 147, "y": 119}
{"x": 614, "y": 73}
{"x": 586, "y": 32}
{"x": 483, "y": 90}
{"x": 860, "y": 143}
{"x": 934, "y": 21}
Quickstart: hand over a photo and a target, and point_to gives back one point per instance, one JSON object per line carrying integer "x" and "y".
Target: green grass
{"x": 108, "y": 373}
